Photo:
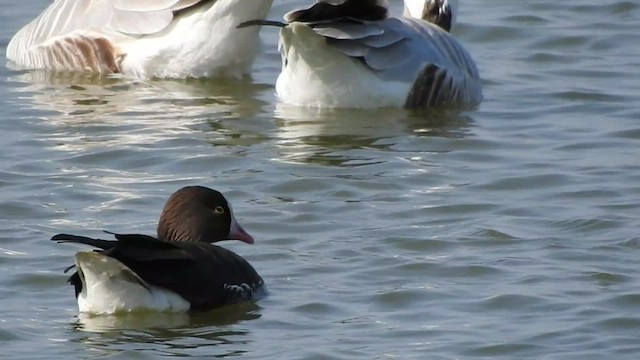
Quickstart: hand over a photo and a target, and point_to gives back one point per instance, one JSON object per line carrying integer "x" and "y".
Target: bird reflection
{"x": 216, "y": 332}
{"x": 331, "y": 136}
{"x": 169, "y": 322}
{"x": 75, "y": 104}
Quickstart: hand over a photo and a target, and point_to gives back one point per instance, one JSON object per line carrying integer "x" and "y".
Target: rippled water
{"x": 506, "y": 231}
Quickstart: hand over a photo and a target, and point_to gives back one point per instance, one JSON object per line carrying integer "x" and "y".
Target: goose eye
{"x": 218, "y": 210}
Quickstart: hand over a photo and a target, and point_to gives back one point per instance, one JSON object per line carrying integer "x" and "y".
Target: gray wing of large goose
{"x": 402, "y": 49}
{"x": 88, "y": 26}
{"x": 397, "y": 48}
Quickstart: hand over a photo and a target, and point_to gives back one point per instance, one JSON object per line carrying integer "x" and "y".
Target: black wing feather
{"x": 203, "y": 278}
{"x": 68, "y": 238}
{"x": 370, "y": 10}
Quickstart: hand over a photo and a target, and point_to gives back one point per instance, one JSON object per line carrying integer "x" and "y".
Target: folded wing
{"x": 80, "y": 35}
{"x": 408, "y": 50}
{"x": 205, "y": 275}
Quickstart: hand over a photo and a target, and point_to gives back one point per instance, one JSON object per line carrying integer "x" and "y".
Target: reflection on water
{"x": 329, "y": 136}
{"x": 78, "y": 97}
{"x": 215, "y": 332}
{"x": 383, "y": 234}
{"x": 86, "y": 112}
{"x": 96, "y": 114}
{"x": 299, "y": 122}
{"x": 153, "y": 320}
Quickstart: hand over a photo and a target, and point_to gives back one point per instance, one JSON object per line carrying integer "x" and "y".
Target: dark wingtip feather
{"x": 66, "y": 270}
{"x": 369, "y": 10}
{"x": 65, "y": 238}
{"x": 58, "y": 237}
{"x": 260, "y": 22}
{"x": 68, "y": 238}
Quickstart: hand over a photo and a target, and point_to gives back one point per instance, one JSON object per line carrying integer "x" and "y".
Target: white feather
{"x": 319, "y": 76}
{"x": 110, "y": 287}
{"x": 371, "y": 64}
{"x": 230, "y": 51}
{"x": 144, "y": 36}
{"x": 144, "y": 5}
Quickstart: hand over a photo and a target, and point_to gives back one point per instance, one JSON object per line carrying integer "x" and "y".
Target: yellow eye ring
{"x": 218, "y": 210}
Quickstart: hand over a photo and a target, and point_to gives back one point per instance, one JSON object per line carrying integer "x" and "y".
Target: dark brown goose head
{"x": 197, "y": 213}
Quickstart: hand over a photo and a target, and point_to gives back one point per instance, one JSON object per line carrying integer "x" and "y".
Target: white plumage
{"x": 348, "y": 60}
{"x": 141, "y": 38}
{"x": 110, "y": 287}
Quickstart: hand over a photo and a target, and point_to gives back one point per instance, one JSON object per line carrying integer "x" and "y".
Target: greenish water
{"x": 507, "y": 231}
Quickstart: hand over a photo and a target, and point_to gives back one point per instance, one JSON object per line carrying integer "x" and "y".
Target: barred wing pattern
{"x": 409, "y": 50}
{"x": 81, "y": 35}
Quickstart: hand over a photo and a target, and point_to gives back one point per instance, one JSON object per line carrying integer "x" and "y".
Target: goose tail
{"x": 108, "y": 286}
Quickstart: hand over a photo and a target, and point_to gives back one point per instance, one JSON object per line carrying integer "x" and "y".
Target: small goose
{"x": 141, "y": 38}
{"x": 350, "y": 54}
{"x": 178, "y": 271}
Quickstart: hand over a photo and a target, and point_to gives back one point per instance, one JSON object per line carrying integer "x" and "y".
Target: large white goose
{"x": 178, "y": 271}
{"x": 350, "y": 54}
{"x": 141, "y": 38}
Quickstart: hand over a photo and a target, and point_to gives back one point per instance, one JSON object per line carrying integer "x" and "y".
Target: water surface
{"x": 506, "y": 231}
